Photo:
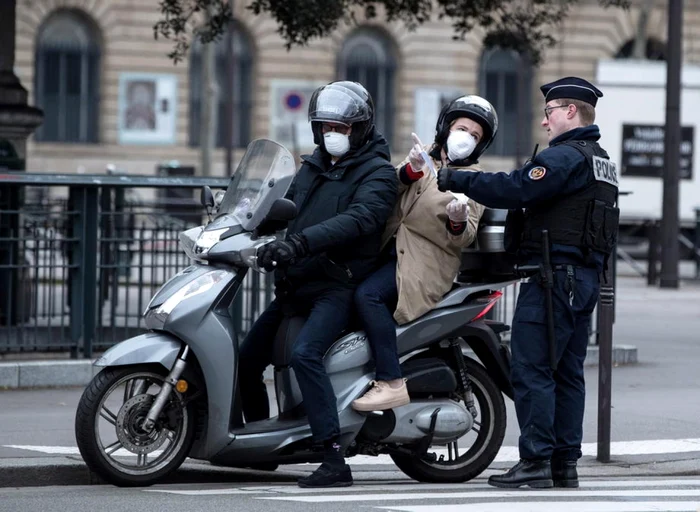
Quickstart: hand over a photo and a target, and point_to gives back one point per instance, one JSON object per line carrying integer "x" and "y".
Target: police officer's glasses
{"x": 547, "y": 110}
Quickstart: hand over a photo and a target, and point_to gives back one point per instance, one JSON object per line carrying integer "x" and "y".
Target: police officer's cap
{"x": 573, "y": 88}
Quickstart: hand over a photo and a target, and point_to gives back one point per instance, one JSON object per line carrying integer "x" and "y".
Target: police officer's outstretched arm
{"x": 551, "y": 173}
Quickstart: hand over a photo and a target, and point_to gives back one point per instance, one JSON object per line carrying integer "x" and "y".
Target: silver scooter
{"x": 172, "y": 393}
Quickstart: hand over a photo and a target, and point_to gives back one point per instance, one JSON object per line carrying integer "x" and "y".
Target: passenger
{"x": 423, "y": 242}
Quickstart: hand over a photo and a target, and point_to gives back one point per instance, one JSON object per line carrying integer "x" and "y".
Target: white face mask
{"x": 460, "y": 145}
{"x": 336, "y": 143}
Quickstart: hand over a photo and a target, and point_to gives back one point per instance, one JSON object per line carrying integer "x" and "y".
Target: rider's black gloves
{"x": 443, "y": 179}
{"x": 282, "y": 253}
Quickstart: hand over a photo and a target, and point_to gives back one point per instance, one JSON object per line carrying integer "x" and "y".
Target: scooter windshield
{"x": 263, "y": 175}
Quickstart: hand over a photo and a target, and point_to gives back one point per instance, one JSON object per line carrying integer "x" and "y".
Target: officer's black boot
{"x": 564, "y": 473}
{"x": 534, "y": 473}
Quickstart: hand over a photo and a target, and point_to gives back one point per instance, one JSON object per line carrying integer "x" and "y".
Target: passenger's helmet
{"x": 472, "y": 107}
{"x": 343, "y": 102}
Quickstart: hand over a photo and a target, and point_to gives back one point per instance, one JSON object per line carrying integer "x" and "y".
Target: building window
{"x": 505, "y": 80}
{"x": 655, "y": 50}
{"x": 67, "y": 78}
{"x": 367, "y": 57}
{"x": 242, "y": 89}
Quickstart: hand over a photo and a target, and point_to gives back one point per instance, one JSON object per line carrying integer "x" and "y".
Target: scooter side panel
{"x": 152, "y": 347}
{"x": 348, "y": 366}
{"x": 436, "y": 325}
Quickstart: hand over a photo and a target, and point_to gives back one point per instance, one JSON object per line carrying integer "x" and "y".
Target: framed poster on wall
{"x": 147, "y": 108}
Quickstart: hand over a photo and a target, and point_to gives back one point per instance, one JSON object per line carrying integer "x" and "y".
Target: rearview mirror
{"x": 282, "y": 209}
{"x": 207, "y": 197}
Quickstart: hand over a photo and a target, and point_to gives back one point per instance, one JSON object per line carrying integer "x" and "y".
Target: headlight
{"x": 200, "y": 285}
{"x": 207, "y": 240}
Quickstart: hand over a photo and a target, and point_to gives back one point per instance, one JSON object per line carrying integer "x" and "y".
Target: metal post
{"x": 605, "y": 328}
{"x": 696, "y": 246}
{"x": 672, "y": 138}
{"x": 653, "y": 254}
{"x": 230, "y": 69}
{"x": 89, "y": 201}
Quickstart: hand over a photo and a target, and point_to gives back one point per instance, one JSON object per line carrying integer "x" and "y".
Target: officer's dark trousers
{"x": 328, "y": 315}
{"x": 550, "y": 404}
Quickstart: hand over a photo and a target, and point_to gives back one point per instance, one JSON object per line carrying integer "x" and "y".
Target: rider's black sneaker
{"x": 328, "y": 475}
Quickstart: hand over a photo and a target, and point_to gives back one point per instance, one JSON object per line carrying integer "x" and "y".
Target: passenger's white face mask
{"x": 336, "y": 143}
{"x": 460, "y": 145}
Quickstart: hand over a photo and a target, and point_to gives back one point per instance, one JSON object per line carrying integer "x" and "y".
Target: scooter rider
{"x": 569, "y": 191}
{"x": 344, "y": 193}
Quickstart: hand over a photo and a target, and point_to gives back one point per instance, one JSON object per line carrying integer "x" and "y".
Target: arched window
{"x": 506, "y": 81}
{"x": 67, "y": 77}
{"x": 655, "y": 50}
{"x": 367, "y": 57}
{"x": 242, "y": 89}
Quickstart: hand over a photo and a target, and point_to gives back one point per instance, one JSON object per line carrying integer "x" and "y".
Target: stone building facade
{"x": 111, "y": 95}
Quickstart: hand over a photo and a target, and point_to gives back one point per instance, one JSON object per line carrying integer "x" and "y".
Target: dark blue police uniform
{"x": 570, "y": 189}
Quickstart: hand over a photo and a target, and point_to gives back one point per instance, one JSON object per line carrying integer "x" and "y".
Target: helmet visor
{"x": 337, "y": 105}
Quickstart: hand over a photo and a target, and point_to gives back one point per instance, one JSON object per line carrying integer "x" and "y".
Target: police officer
{"x": 570, "y": 190}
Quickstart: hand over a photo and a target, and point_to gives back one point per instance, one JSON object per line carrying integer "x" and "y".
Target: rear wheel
{"x": 108, "y": 427}
{"x": 470, "y": 455}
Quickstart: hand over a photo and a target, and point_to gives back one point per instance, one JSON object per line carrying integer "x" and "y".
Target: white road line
{"x": 558, "y": 506}
{"x": 505, "y": 454}
{"x": 550, "y": 493}
{"x": 400, "y": 487}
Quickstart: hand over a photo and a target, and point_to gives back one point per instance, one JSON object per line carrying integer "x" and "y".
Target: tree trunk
{"x": 210, "y": 100}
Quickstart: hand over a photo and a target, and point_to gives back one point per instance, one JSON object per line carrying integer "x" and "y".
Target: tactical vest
{"x": 587, "y": 219}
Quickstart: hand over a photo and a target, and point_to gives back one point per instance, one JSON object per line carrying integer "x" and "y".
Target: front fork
{"x": 464, "y": 381}
{"x": 165, "y": 390}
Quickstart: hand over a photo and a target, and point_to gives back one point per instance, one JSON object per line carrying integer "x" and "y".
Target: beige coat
{"x": 428, "y": 254}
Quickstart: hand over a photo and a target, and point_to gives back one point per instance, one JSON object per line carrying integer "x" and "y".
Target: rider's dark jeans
{"x": 328, "y": 314}
{"x": 375, "y": 302}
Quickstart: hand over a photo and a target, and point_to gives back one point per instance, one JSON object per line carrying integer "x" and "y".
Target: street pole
{"x": 672, "y": 140}
{"x": 230, "y": 69}
{"x": 606, "y": 302}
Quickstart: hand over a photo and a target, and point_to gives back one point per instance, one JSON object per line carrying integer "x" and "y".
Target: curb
{"x": 71, "y": 470}
{"x": 66, "y": 373}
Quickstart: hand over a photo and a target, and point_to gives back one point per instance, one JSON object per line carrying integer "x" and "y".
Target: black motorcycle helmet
{"x": 343, "y": 102}
{"x": 475, "y": 108}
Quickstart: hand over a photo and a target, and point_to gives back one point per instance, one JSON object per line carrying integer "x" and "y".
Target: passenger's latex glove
{"x": 415, "y": 158}
{"x": 282, "y": 253}
{"x": 458, "y": 209}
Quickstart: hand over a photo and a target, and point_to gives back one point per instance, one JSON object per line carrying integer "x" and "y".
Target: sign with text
{"x": 643, "y": 151}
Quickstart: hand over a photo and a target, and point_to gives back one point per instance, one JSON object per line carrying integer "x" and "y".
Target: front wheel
{"x": 470, "y": 455}
{"x": 108, "y": 427}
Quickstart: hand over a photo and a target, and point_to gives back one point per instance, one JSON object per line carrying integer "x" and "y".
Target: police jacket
{"x": 570, "y": 189}
{"x": 342, "y": 210}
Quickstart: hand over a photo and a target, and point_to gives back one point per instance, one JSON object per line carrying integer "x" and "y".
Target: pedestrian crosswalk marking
{"x": 557, "y": 506}
{"x": 594, "y": 495}
{"x": 496, "y": 493}
{"x": 401, "y": 487}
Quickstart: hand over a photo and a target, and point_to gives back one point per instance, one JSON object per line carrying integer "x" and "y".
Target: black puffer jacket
{"x": 342, "y": 212}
